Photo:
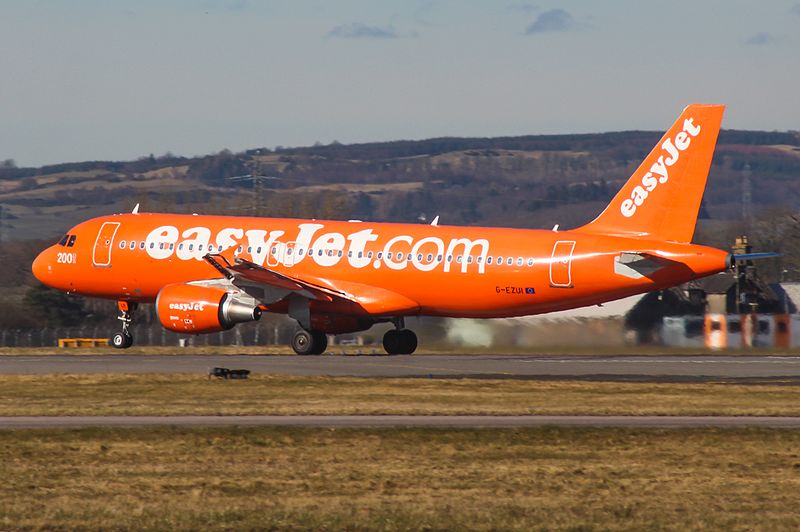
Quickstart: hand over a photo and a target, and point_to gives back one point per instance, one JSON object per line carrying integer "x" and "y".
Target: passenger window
{"x": 258, "y": 250}
{"x": 530, "y": 262}
{"x": 319, "y": 253}
{"x": 438, "y": 258}
{"x": 458, "y": 259}
{"x": 389, "y": 255}
{"x": 469, "y": 259}
{"x": 340, "y": 252}
{"x": 133, "y": 245}
{"x": 152, "y": 245}
{"x": 419, "y": 257}
{"x": 171, "y": 247}
{"x": 499, "y": 261}
{"x": 369, "y": 255}
{"x": 122, "y": 244}
{"x": 191, "y": 247}
{"x": 488, "y": 260}
{"x": 141, "y": 244}
{"x": 480, "y": 260}
{"x": 71, "y": 241}
{"x": 519, "y": 261}
{"x": 510, "y": 261}
{"x": 400, "y": 255}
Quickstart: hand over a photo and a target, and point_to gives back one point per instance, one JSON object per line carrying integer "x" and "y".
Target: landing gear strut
{"x": 124, "y": 339}
{"x": 309, "y": 342}
{"x": 400, "y": 341}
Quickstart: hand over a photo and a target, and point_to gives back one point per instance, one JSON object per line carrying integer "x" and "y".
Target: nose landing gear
{"x": 124, "y": 339}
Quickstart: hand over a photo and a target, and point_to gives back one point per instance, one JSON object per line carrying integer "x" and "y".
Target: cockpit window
{"x": 71, "y": 241}
{"x": 63, "y": 241}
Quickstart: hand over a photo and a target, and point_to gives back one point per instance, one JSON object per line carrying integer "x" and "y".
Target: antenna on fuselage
{"x": 135, "y": 209}
{"x": 435, "y": 221}
{"x": 555, "y": 228}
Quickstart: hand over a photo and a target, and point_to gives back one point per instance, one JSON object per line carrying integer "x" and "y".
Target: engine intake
{"x": 188, "y": 308}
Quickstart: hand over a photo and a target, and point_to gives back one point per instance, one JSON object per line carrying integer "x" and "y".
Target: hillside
{"x": 530, "y": 181}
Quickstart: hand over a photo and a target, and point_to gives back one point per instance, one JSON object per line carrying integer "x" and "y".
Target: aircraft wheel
{"x": 408, "y": 341}
{"x": 320, "y": 342}
{"x": 303, "y": 342}
{"x": 392, "y": 342}
{"x": 122, "y": 340}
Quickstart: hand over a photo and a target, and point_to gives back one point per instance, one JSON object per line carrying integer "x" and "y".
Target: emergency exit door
{"x": 101, "y": 254}
{"x": 561, "y": 264}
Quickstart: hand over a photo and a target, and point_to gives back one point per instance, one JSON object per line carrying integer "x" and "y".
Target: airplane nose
{"x": 41, "y": 266}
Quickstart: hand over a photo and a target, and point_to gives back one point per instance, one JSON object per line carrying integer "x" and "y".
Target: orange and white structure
{"x": 209, "y": 273}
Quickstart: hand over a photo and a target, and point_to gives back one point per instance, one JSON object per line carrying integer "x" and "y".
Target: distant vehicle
{"x": 209, "y": 273}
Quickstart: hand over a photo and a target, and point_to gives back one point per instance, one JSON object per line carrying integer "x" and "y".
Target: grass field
{"x": 291, "y": 395}
{"x": 275, "y": 478}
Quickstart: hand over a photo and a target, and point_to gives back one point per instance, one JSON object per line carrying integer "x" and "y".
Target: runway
{"x": 64, "y": 422}
{"x": 650, "y": 368}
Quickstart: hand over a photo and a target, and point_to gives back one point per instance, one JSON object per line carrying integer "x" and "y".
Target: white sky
{"x": 93, "y": 79}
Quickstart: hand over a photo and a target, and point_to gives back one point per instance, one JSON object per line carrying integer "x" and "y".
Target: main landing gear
{"x": 309, "y": 342}
{"x": 400, "y": 341}
{"x": 124, "y": 339}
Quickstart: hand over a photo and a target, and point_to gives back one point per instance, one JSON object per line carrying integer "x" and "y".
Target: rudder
{"x": 662, "y": 197}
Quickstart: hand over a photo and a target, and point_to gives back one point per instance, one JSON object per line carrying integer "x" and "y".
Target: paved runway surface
{"x": 51, "y": 422}
{"x": 671, "y": 368}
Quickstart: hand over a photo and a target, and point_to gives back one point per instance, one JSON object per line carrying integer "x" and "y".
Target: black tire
{"x": 392, "y": 342}
{"x": 408, "y": 342}
{"x": 320, "y": 342}
{"x": 121, "y": 340}
{"x": 303, "y": 342}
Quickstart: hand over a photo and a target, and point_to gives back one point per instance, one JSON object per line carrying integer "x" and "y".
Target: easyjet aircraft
{"x": 209, "y": 273}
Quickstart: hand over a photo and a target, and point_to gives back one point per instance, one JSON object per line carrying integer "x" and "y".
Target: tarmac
{"x": 634, "y": 368}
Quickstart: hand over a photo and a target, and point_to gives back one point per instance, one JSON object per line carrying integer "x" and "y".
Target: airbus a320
{"x": 209, "y": 273}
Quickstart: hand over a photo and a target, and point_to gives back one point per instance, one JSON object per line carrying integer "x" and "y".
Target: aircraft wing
{"x": 269, "y": 287}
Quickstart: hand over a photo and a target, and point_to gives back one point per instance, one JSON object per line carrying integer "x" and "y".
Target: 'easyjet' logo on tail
{"x": 659, "y": 172}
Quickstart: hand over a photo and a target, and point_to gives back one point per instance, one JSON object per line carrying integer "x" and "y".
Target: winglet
{"x": 661, "y": 199}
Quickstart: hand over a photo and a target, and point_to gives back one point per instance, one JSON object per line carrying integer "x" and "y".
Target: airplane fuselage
{"x": 414, "y": 269}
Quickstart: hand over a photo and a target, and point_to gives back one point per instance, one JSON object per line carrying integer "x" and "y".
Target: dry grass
{"x": 271, "y": 478}
{"x": 292, "y": 395}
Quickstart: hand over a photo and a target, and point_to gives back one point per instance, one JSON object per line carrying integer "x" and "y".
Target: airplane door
{"x": 561, "y": 264}
{"x": 101, "y": 253}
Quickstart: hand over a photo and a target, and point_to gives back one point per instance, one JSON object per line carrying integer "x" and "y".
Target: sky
{"x": 113, "y": 80}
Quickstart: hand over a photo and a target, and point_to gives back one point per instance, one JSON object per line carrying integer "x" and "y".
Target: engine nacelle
{"x": 188, "y": 308}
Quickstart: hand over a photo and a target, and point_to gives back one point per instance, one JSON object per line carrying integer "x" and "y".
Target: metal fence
{"x": 153, "y": 334}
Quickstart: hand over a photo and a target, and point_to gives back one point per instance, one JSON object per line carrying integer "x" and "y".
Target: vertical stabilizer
{"x": 662, "y": 197}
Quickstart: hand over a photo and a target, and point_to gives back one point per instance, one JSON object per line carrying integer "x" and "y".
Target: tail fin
{"x": 662, "y": 197}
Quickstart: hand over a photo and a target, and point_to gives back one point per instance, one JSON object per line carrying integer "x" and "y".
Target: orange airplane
{"x": 209, "y": 273}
